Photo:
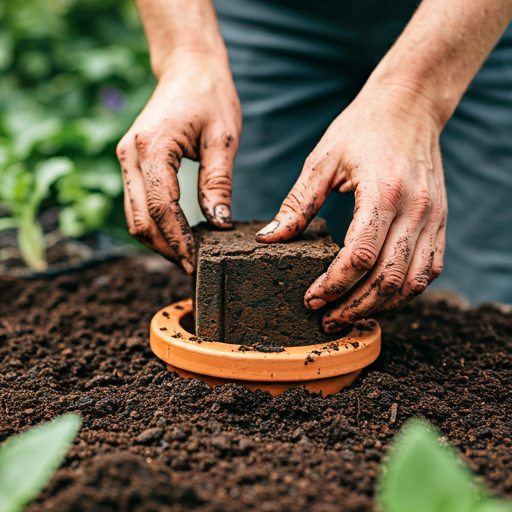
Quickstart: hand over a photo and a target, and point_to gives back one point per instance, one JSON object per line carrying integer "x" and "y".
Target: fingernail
{"x": 268, "y": 229}
{"x": 316, "y": 303}
{"x": 187, "y": 266}
{"x": 222, "y": 214}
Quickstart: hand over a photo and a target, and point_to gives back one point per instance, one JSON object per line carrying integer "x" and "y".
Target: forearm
{"x": 442, "y": 49}
{"x": 173, "y": 25}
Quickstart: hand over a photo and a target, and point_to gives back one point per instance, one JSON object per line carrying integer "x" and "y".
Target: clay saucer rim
{"x": 326, "y": 387}
{"x": 179, "y": 348}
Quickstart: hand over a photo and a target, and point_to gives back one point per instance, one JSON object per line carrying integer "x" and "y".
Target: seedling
{"x": 28, "y": 461}
{"x": 21, "y": 194}
{"x": 424, "y": 476}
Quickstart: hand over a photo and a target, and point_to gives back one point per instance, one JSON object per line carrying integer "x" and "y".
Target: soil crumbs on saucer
{"x": 152, "y": 441}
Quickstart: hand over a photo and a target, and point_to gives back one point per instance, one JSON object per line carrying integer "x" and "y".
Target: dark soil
{"x": 152, "y": 441}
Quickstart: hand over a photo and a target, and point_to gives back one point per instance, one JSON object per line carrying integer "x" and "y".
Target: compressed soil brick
{"x": 251, "y": 293}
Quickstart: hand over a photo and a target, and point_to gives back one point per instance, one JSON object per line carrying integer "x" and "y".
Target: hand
{"x": 194, "y": 113}
{"x": 385, "y": 148}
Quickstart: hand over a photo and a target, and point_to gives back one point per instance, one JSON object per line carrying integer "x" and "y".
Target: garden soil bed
{"x": 152, "y": 441}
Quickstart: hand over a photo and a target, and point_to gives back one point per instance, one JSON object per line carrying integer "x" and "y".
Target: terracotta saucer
{"x": 323, "y": 368}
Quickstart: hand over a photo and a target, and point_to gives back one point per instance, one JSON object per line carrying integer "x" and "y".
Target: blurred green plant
{"x": 88, "y": 195}
{"x": 28, "y": 461}
{"x": 74, "y": 74}
{"x": 424, "y": 476}
{"x": 21, "y": 194}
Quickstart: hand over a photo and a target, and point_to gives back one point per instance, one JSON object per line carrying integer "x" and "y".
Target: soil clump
{"x": 250, "y": 293}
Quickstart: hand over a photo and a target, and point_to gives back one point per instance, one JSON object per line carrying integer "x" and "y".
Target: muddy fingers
{"x": 195, "y": 92}
{"x": 363, "y": 244}
{"x": 420, "y": 272}
{"x": 162, "y": 199}
{"x": 214, "y": 187}
{"x": 385, "y": 279}
{"x": 140, "y": 225}
{"x": 303, "y": 202}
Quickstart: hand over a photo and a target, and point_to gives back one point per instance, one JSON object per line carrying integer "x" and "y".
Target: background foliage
{"x": 74, "y": 74}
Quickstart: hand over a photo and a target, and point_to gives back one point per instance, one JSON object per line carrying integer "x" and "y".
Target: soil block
{"x": 251, "y": 293}
{"x": 154, "y": 442}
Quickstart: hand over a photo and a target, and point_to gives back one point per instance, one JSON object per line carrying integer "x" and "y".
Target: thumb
{"x": 215, "y": 171}
{"x": 302, "y": 203}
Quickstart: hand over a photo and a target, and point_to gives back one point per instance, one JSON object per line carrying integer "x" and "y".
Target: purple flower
{"x": 113, "y": 98}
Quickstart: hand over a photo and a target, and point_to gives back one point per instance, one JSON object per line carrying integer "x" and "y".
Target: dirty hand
{"x": 385, "y": 148}
{"x": 194, "y": 113}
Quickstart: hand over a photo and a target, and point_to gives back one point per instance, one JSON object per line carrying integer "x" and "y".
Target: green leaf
{"x": 46, "y": 174}
{"x": 8, "y": 223}
{"x": 98, "y": 175}
{"x": 94, "y": 210}
{"x": 30, "y": 127}
{"x": 493, "y": 506}
{"x": 35, "y": 64}
{"x": 70, "y": 223}
{"x": 29, "y": 460}
{"x": 6, "y": 50}
{"x": 5, "y": 155}
{"x": 99, "y": 64}
{"x": 423, "y": 476}
{"x": 10, "y": 182}
{"x": 103, "y": 174}
{"x": 22, "y": 185}
{"x": 69, "y": 188}
{"x": 98, "y": 132}
{"x": 31, "y": 243}
{"x": 88, "y": 214}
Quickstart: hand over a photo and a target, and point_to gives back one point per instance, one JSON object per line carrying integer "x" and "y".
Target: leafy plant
{"x": 29, "y": 460}
{"x": 425, "y": 476}
{"x": 89, "y": 196}
{"x": 21, "y": 194}
{"x": 72, "y": 86}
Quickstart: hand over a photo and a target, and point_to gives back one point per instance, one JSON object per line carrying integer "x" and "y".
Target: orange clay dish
{"x": 322, "y": 368}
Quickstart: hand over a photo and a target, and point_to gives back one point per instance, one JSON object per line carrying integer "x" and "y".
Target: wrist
{"x": 186, "y": 54}
{"x": 181, "y": 53}
{"x": 416, "y": 87}
{"x": 178, "y": 26}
